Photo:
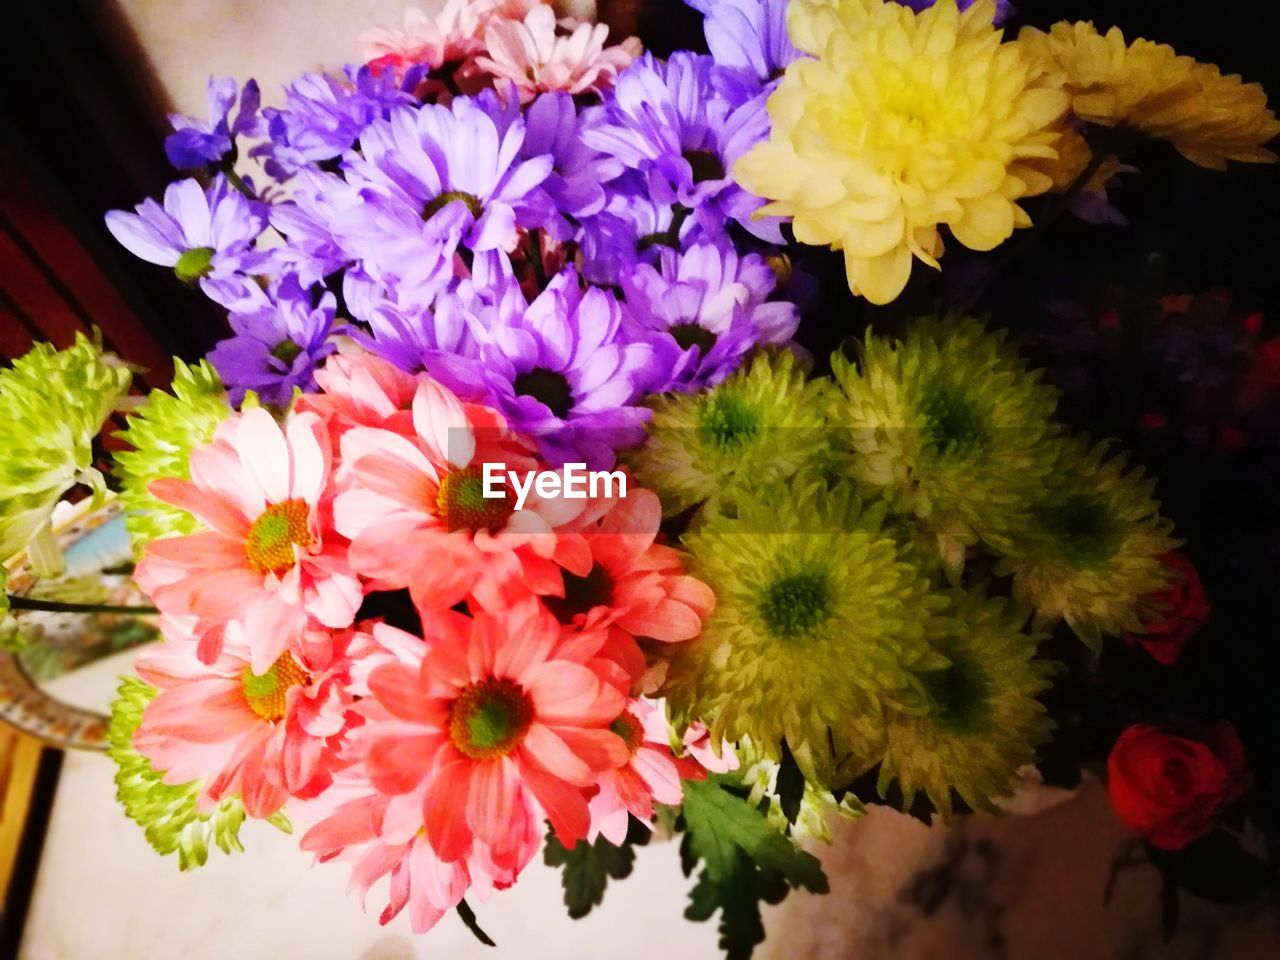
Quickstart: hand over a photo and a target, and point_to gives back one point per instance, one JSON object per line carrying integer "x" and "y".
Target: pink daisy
{"x": 536, "y": 55}
{"x": 697, "y": 744}
{"x": 634, "y": 583}
{"x": 263, "y": 736}
{"x": 384, "y": 836}
{"x": 504, "y": 712}
{"x": 449, "y": 36}
{"x": 415, "y": 512}
{"x": 269, "y": 565}
{"x": 651, "y": 774}
{"x": 362, "y": 391}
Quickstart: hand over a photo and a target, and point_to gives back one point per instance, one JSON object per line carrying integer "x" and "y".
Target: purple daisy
{"x": 668, "y": 122}
{"x": 631, "y": 229}
{"x": 554, "y": 126}
{"x": 703, "y": 310}
{"x": 453, "y": 161}
{"x": 563, "y": 371}
{"x": 324, "y": 116}
{"x": 748, "y": 36}
{"x": 310, "y": 249}
{"x": 437, "y": 339}
{"x": 279, "y": 341}
{"x": 204, "y": 235}
{"x": 196, "y": 144}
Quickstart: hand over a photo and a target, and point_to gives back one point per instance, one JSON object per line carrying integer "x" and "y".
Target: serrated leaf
{"x": 719, "y": 823}
{"x": 587, "y": 870}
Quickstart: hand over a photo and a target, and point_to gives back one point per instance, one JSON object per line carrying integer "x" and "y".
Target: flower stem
{"x": 59, "y": 606}
{"x": 235, "y": 180}
{"x": 534, "y": 239}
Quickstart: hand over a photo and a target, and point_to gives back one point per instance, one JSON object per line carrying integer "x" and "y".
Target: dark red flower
{"x": 1169, "y": 788}
{"x": 1176, "y": 613}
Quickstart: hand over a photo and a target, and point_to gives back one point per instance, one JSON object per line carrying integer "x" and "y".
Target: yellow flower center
{"x": 265, "y": 693}
{"x": 273, "y": 536}
{"x": 490, "y": 718}
{"x": 463, "y": 506}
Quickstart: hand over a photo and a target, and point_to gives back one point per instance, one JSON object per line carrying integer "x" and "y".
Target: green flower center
{"x": 266, "y": 693}
{"x": 958, "y": 695}
{"x": 286, "y": 351}
{"x": 581, "y": 594}
{"x": 1084, "y": 527}
{"x": 955, "y": 421}
{"x": 547, "y": 387}
{"x": 727, "y": 421}
{"x": 796, "y": 605}
{"x": 269, "y": 547}
{"x": 194, "y": 264}
{"x": 704, "y": 164}
{"x": 463, "y": 506}
{"x": 439, "y": 203}
{"x": 490, "y": 718}
{"x": 629, "y": 728}
{"x": 691, "y": 335}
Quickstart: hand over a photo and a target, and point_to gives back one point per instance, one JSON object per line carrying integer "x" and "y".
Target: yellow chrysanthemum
{"x": 1148, "y": 88}
{"x": 903, "y": 123}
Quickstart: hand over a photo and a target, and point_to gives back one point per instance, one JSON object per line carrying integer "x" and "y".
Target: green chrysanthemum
{"x": 818, "y": 804}
{"x": 763, "y": 423}
{"x": 168, "y": 813}
{"x": 982, "y": 720}
{"x": 1092, "y": 553}
{"x": 52, "y": 404}
{"x": 162, "y": 434}
{"x": 819, "y": 623}
{"x": 950, "y": 426}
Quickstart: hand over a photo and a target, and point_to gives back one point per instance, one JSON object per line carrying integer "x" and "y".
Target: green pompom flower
{"x": 1092, "y": 553}
{"x": 818, "y": 804}
{"x": 950, "y": 427}
{"x": 53, "y": 403}
{"x": 981, "y": 720}
{"x": 819, "y": 624}
{"x": 168, "y": 813}
{"x": 763, "y": 423}
{"x": 162, "y": 434}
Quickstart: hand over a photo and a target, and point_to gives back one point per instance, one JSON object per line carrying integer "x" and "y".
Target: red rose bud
{"x": 1168, "y": 788}
{"x": 1175, "y": 614}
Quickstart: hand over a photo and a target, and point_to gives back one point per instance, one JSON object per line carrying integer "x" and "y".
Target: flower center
{"x": 955, "y": 423}
{"x": 727, "y": 421}
{"x": 629, "y": 728}
{"x": 439, "y": 203}
{"x": 273, "y": 536}
{"x": 490, "y": 718}
{"x": 265, "y": 693}
{"x": 462, "y": 504}
{"x": 957, "y": 695}
{"x": 797, "y": 605}
{"x": 581, "y": 594}
{"x": 286, "y": 351}
{"x": 691, "y": 335}
{"x": 704, "y": 164}
{"x": 547, "y": 387}
{"x": 1084, "y": 527}
{"x": 194, "y": 264}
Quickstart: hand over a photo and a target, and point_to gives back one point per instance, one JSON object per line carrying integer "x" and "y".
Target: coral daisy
{"x": 268, "y": 563}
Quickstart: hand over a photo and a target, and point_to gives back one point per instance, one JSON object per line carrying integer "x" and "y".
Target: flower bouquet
{"x": 558, "y": 485}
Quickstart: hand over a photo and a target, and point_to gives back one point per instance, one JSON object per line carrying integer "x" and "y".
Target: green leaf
{"x": 719, "y": 823}
{"x": 745, "y": 863}
{"x": 587, "y": 869}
